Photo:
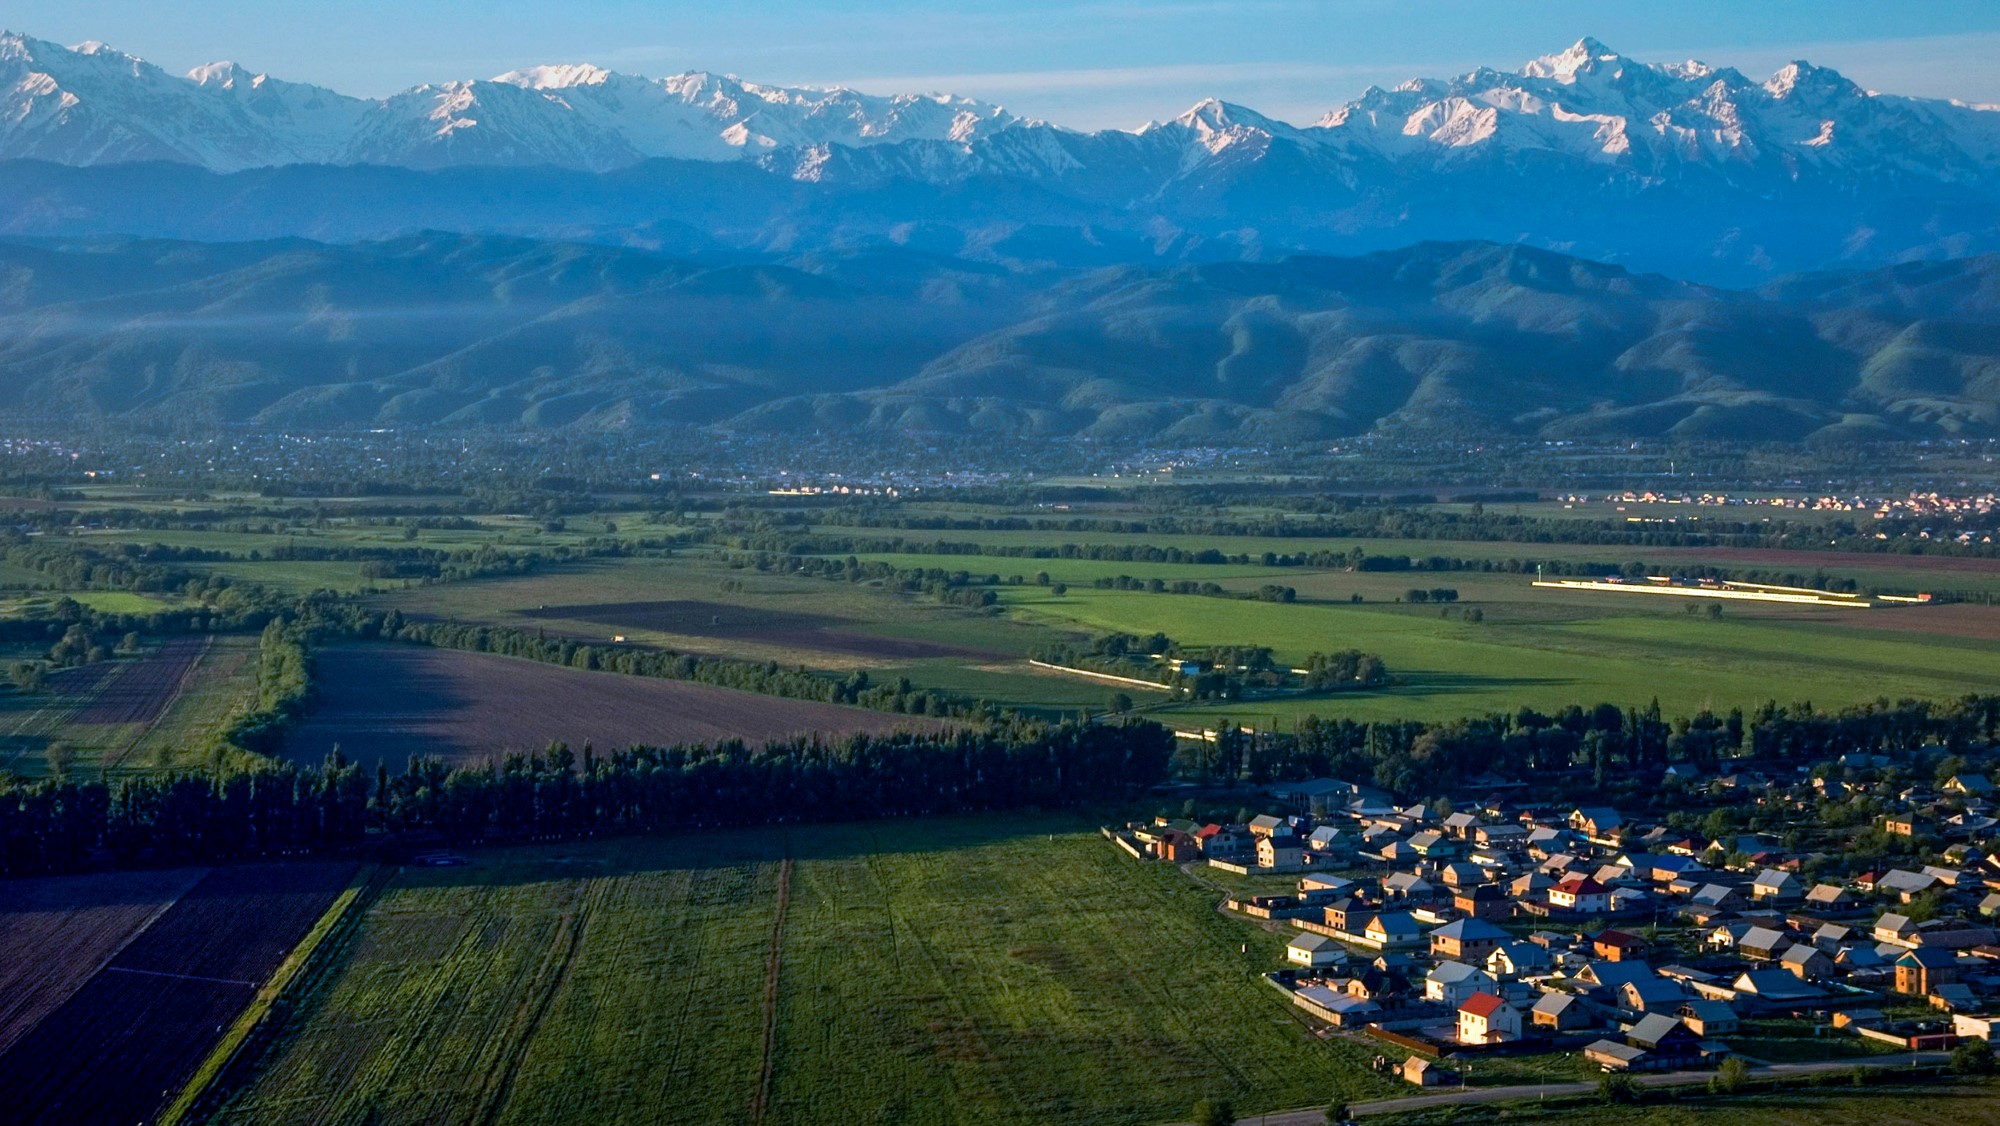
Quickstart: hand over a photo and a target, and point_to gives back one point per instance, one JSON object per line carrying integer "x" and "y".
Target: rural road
{"x": 1316, "y": 1116}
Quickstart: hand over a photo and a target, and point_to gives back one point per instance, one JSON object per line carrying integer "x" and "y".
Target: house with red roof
{"x": 1580, "y": 895}
{"x": 1487, "y": 1019}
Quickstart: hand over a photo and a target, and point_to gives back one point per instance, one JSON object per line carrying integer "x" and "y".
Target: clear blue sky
{"x": 1086, "y": 64}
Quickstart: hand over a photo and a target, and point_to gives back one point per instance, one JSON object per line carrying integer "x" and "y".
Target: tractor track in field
{"x": 548, "y": 982}
{"x": 774, "y": 963}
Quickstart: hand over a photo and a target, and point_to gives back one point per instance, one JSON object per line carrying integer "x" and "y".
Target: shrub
{"x": 1618, "y": 1087}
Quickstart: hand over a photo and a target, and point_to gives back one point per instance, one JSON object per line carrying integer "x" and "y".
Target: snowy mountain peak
{"x": 1583, "y": 57}
{"x": 1585, "y": 112}
{"x": 1801, "y": 76}
{"x": 559, "y": 77}
{"x": 223, "y": 75}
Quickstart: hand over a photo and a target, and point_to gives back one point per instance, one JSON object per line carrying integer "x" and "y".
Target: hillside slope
{"x": 1462, "y": 338}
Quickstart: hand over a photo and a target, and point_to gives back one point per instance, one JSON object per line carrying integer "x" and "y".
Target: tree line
{"x": 282, "y": 809}
{"x": 1596, "y": 749}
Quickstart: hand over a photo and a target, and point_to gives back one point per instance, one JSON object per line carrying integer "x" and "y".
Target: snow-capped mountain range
{"x": 1686, "y": 168}
{"x": 91, "y": 105}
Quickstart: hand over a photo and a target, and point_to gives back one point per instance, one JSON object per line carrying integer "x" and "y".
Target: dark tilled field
{"x": 123, "y": 1045}
{"x": 56, "y": 931}
{"x": 382, "y": 704}
{"x": 723, "y": 622}
{"x": 138, "y": 691}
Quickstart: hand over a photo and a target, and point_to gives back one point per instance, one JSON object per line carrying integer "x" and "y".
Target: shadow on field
{"x": 612, "y": 857}
{"x": 1447, "y": 683}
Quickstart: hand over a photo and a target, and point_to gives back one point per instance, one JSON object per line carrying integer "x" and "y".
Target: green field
{"x": 1602, "y": 651}
{"x": 40, "y": 732}
{"x": 952, "y": 971}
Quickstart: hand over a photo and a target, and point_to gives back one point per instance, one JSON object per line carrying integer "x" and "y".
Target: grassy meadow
{"x": 943, "y": 971}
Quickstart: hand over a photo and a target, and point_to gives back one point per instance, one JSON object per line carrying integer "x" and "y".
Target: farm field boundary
{"x": 264, "y": 1018}
{"x": 125, "y": 1042}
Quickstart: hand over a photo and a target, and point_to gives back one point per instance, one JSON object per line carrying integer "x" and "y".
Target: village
{"x": 1500, "y": 938}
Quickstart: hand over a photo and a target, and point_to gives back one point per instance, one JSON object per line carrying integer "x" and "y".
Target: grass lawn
{"x": 988, "y": 970}
{"x": 1801, "y": 1041}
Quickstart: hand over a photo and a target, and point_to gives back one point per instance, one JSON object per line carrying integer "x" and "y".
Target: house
{"x": 1461, "y": 874}
{"x": 1486, "y": 901}
{"x": 1627, "y": 900}
{"x": 1580, "y": 895}
{"x": 1973, "y": 785}
{"x": 1709, "y": 1019}
{"x": 1315, "y": 951}
{"x": 1665, "y": 1038}
{"x": 1321, "y": 883}
{"x": 1829, "y": 897}
{"x": 1281, "y": 853}
{"x": 1531, "y": 885}
{"x": 1651, "y": 995}
{"x": 1561, "y": 1012}
{"x": 1518, "y": 959}
{"x": 1223, "y": 841}
{"x": 1393, "y": 930}
{"x": 1378, "y": 984}
{"x": 1409, "y": 885}
{"x": 1955, "y": 997}
{"x": 1906, "y": 885}
{"x": 1900, "y": 825}
{"x": 1614, "y": 1055}
{"x": 1830, "y": 937}
{"x": 1775, "y": 886}
{"x": 1599, "y": 823}
{"x": 1487, "y": 1019}
{"x": 1176, "y": 847}
{"x": 1461, "y": 825}
{"x": 1950, "y": 934}
{"x": 1894, "y": 928}
{"x": 1807, "y": 963}
{"x": 1453, "y": 982}
{"x": 1618, "y": 946}
{"x": 1266, "y": 825}
{"x": 1861, "y": 958}
{"x": 1718, "y": 897}
{"x": 1775, "y": 987}
{"x": 1394, "y": 851}
{"x": 1921, "y": 971}
{"x": 1340, "y": 1009}
{"x": 1500, "y": 836}
{"x": 1425, "y": 1073}
{"x": 1609, "y": 977}
{"x": 1469, "y": 939}
{"x": 1325, "y": 839}
{"x": 1763, "y": 944}
{"x": 1349, "y": 915}
{"x": 1434, "y": 845}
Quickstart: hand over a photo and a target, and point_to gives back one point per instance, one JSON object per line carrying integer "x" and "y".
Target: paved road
{"x": 1316, "y": 1116}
